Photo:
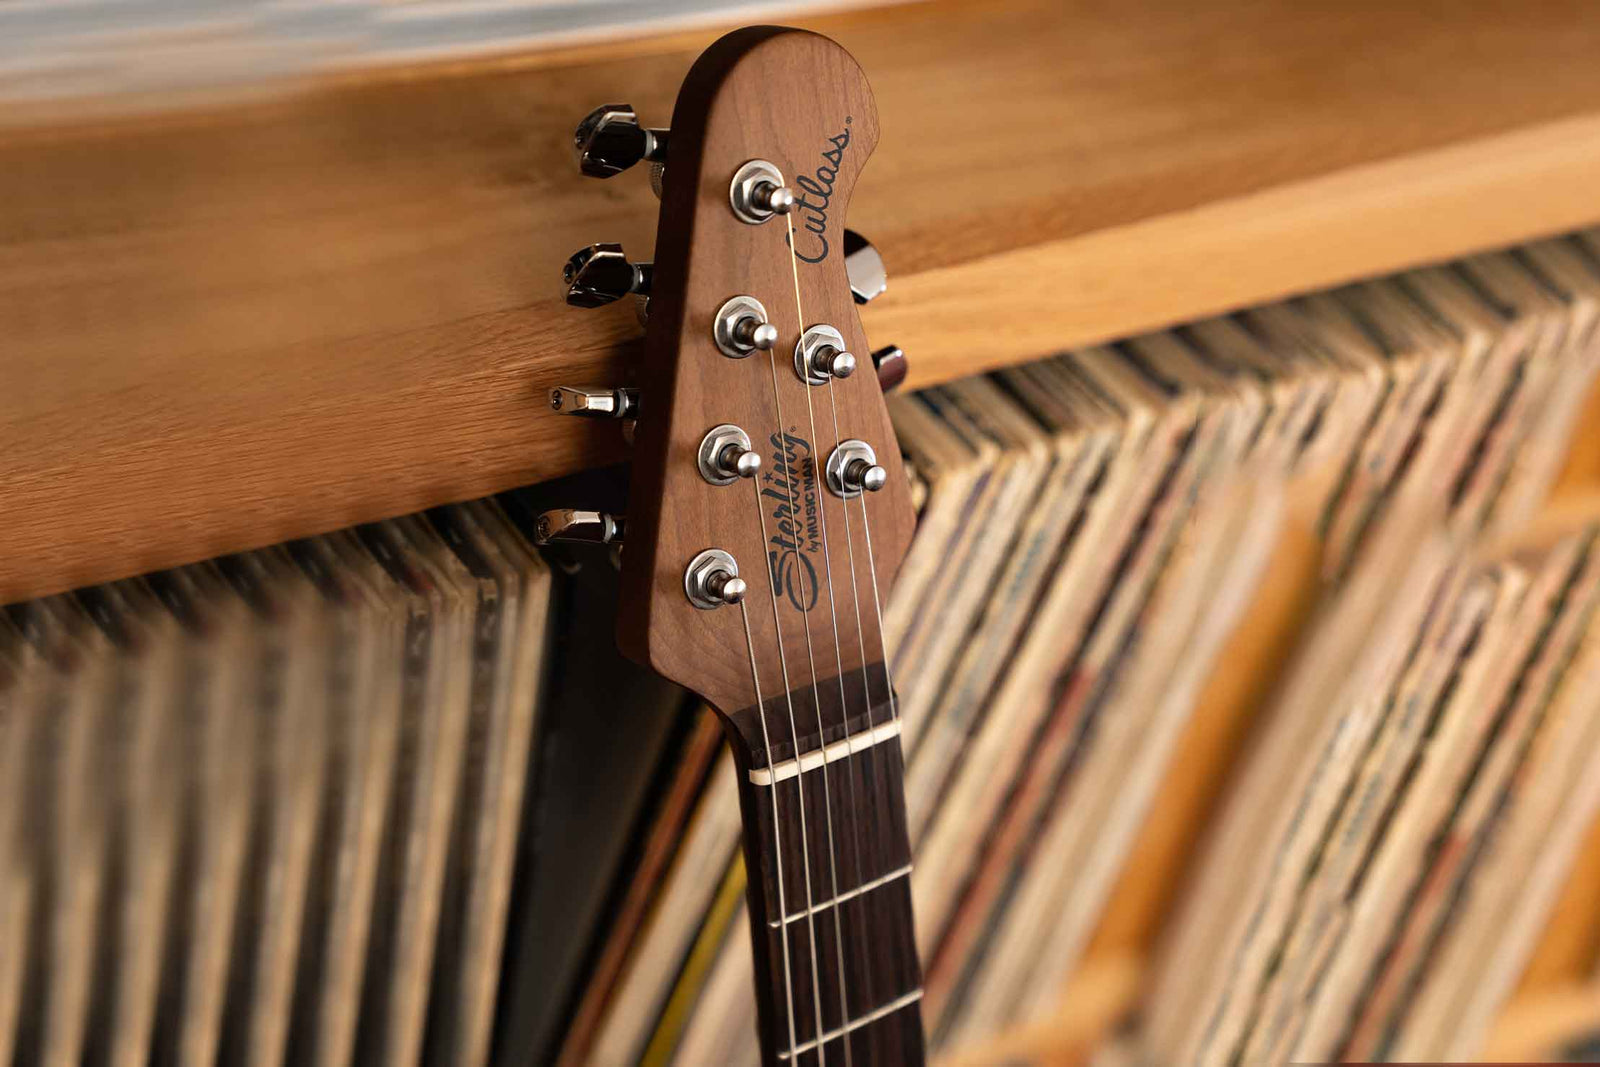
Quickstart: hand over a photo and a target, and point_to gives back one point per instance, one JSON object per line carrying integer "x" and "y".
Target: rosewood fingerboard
{"x": 829, "y": 864}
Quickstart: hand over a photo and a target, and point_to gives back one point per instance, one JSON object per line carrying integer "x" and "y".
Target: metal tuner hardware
{"x": 601, "y": 273}
{"x": 868, "y": 280}
{"x": 890, "y": 363}
{"x": 864, "y": 267}
{"x": 725, "y": 456}
{"x": 757, "y": 192}
{"x": 595, "y": 402}
{"x": 712, "y": 580}
{"x": 741, "y": 327}
{"x": 853, "y": 467}
{"x": 575, "y": 526}
{"x": 820, "y": 356}
{"x": 609, "y": 140}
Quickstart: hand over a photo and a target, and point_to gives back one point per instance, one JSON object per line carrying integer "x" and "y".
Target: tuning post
{"x": 820, "y": 356}
{"x": 595, "y": 402}
{"x": 853, "y": 467}
{"x": 576, "y": 526}
{"x": 741, "y": 327}
{"x": 757, "y": 192}
{"x": 712, "y": 580}
{"x": 725, "y": 455}
{"x": 750, "y": 333}
{"x": 601, "y": 273}
{"x": 609, "y": 140}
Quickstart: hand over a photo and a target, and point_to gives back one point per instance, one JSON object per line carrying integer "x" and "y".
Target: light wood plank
{"x": 275, "y": 315}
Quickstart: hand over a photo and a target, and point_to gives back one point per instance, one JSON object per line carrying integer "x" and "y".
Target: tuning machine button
{"x": 576, "y": 526}
{"x": 725, "y": 455}
{"x": 609, "y": 140}
{"x": 740, "y": 327}
{"x": 864, "y": 267}
{"x": 601, "y": 273}
{"x": 820, "y": 355}
{"x": 852, "y": 467}
{"x": 712, "y": 580}
{"x": 757, "y": 192}
{"x": 595, "y": 402}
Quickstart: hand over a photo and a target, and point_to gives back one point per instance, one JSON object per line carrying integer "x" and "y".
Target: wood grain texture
{"x": 799, "y": 664}
{"x": 787, "y": 98}
{"x": 274, "y": 316}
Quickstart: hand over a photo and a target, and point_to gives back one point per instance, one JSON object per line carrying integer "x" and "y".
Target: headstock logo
{"x": 816, "y": 190}
{"x": 791, "y": 486}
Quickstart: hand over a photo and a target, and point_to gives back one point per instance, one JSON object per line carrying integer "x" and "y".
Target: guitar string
{"x": 877, "y": 607}
{"x": 794, "y": 733}
{"x": 833, "y": 612}
{"x": 777, "y": 838}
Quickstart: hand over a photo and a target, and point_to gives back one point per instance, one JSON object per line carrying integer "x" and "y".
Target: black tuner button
{"x": 610, "y": 140}
{"x": 599, "y": 274}
{"x": 864, "y": 267}
{"x": 890, "y": 363}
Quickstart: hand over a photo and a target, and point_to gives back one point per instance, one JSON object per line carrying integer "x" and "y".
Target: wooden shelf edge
{"x": 284, "y": 316}
{"x": 1367, "y": 221}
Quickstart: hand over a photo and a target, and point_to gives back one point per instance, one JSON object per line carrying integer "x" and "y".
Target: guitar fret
{"x": 854, "y": 1024}
{"x": 838, "y": 750}
{"x": 846, "y": 895}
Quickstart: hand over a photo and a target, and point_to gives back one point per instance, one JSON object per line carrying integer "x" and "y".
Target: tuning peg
{"x": 575, "y": 526}
{"x": 595, "y": 401}
{"x": 890, "y": 363}
{"x": 599, "y": 274}
{"x": 609, "y": 140}
{"x": 864, "y": 267}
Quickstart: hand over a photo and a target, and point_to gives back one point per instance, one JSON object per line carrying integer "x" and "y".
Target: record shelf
{"x": 286, "y": 312}
{"x": 289, "y": 310}
{"x": 1556, "y": 1002}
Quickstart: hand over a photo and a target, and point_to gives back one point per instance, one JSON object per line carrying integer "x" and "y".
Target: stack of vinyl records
{"x": 1092, "y": 528}
{"x": 1400, "y": 833}
{"x": 266, "y": 809}
{"x": 272, "y": 808}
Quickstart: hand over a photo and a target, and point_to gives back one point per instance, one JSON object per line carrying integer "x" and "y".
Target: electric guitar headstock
{"x": 767, "y": 485}
{"x": 769, "y": 513}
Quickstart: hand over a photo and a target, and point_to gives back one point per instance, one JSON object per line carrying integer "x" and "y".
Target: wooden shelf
{"x": 284, "y": 313}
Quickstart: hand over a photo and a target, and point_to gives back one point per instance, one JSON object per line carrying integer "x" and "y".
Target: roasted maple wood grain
{"x": 786, "y": 97}
{"x": 280, "y": 314}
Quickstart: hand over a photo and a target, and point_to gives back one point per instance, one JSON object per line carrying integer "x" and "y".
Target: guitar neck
{"x": 829, "y": 865}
